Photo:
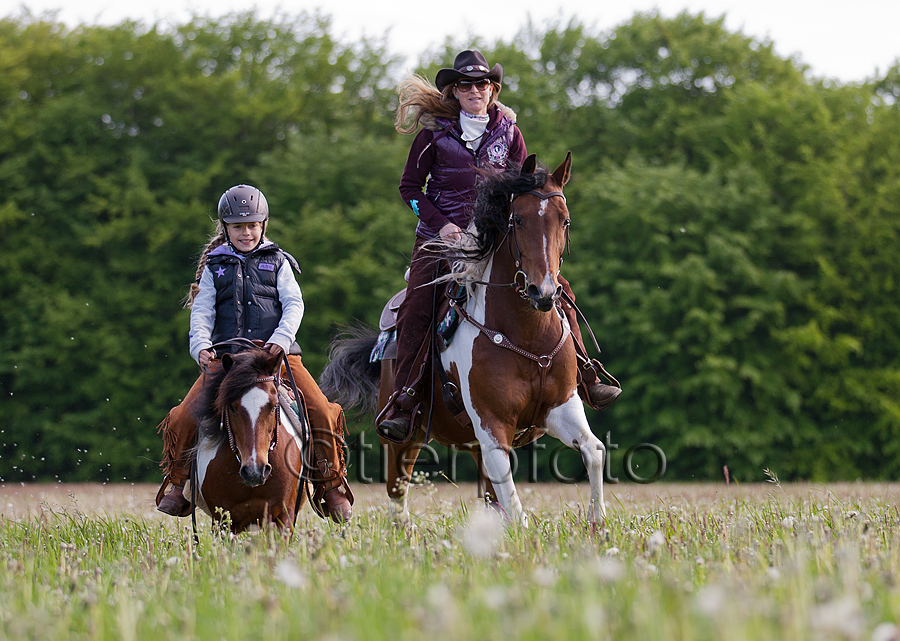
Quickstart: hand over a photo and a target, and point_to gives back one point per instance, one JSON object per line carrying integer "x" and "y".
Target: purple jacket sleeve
{"x": 412, "y": 182}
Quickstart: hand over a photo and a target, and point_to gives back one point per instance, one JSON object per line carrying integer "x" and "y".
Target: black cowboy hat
{"x": 469, "y": 65}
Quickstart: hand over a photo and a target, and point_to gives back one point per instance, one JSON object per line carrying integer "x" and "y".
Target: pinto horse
{"x": 513, "y": 358}
{"x": 249, "y": 453}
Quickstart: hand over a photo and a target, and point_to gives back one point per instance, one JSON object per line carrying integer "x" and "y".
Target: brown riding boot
{"x": 595, "y": 394}
{"x": 332, "y": 496}
{"x": 179, "y": 431}
{"x": 395, "y": 424}
{"x": 173, "y": 503}
{"x": 414, "y": 320}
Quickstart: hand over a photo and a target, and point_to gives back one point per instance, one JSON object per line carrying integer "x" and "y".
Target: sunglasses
{"x": 465, "y": 86}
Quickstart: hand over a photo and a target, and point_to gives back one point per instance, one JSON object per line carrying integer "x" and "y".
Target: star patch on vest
{"x": 220, "y": 272}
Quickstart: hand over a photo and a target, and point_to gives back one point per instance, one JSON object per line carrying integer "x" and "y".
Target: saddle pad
{"x": 388, "y": 318}
{"x": 386, "y": 344}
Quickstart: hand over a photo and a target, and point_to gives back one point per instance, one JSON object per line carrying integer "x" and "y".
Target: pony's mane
{"x": 490, "y": 219}
{"x": 223, "y": 388}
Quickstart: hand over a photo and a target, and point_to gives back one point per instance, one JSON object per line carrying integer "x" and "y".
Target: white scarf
{"x": 473, "y": 128}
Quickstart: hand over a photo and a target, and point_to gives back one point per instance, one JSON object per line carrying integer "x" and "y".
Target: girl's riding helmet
{"x": 243, "y": 204}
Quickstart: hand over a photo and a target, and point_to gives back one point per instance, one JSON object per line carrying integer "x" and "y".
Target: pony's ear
{"x": 227, "y": 361}
{"x": 530, "y": 164}
{"x": 564, "y": 171}
{"x": 274, "y": 364}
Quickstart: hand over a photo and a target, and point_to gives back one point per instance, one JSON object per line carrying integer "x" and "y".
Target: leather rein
{"x": 544, "y": 361}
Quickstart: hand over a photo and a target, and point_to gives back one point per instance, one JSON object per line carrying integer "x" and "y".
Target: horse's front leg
{"x": 495, "y": 447}
{"x": 569, "y": 424}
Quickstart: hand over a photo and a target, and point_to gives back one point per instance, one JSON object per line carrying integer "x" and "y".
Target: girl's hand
{"x": 206, "y": 355}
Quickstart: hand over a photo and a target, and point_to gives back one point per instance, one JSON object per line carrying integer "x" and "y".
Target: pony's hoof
{"x": 174, "y": 503}
{"x": 337, "y": 506}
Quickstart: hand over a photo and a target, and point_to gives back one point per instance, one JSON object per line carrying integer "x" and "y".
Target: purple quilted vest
{"x": 451, "y": 186}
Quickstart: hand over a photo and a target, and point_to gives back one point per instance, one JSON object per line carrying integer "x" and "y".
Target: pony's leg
{"x": 498, "y": 472}
{"x": 569, "y": 424}
{"x": 401, "y": 459}
{"x": 486, "y": 490}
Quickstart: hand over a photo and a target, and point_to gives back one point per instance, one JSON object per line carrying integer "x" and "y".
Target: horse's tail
{"x": 350, "y": 379}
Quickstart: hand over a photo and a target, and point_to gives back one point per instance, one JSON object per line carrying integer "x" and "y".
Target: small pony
{"x": 250, "y": 449}
{"x": 513, "y": 358}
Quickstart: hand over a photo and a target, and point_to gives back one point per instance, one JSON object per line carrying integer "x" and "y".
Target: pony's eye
{"x": 518, "y": 220}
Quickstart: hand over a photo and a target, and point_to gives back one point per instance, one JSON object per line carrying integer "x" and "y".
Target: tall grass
{"x": 676, "y": 562}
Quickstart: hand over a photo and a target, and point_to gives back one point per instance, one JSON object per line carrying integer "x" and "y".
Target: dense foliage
{"x": 734, "y": 222}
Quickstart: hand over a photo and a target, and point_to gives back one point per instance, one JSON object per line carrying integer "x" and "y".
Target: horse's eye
{"x": 566, "y": 222}
{"x": 518, "y": 220}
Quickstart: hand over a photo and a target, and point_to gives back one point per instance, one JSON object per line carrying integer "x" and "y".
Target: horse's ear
{"x": 274, "y": 364}
{"x": 227, "y": 361}
{"x": 530, "y": 164}
{"x": 564, "y": 171}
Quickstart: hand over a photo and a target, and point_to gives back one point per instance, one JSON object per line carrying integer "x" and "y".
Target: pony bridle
{"x": 226, "y": 421}
{"x": 514, "y": 243}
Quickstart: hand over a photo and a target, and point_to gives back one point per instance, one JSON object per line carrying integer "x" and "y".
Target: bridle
{"x": 225, "y": 423}
{"x": 544, "y": 361}
{"x": 521, "y": 289}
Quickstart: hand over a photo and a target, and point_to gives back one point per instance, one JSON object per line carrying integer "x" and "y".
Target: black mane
{"x": 223, "y": 388}
{"x": 491, "y": 209}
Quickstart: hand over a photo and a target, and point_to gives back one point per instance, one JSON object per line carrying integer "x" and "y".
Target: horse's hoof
{"x": 337, "y": 506}
{"x": 174, "y": 503}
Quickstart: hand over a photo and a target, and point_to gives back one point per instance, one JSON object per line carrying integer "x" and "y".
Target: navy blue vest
{"x": 247, "y": 302}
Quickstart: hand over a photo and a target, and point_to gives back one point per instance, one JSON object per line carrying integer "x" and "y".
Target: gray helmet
{"x": 243, "y": 204}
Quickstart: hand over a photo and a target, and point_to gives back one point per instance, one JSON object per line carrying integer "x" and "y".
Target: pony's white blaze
{"x": 569, "y": 424}
{"x": 253, "y": 402}
{"x": 543, "y": 208}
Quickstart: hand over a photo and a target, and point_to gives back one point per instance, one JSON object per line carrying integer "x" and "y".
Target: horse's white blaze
{"x": 253, "y": 402}
{"x": 495, "y": 459}
{"x": 569, "y": 424}
{"x": 543, "y": 207}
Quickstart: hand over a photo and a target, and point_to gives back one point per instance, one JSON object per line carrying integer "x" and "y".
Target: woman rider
{"x": 464, "y": 130}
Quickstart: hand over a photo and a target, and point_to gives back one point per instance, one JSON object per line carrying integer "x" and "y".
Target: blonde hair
{"x": 419, "y": 99}
{"x": 219, "y": 238}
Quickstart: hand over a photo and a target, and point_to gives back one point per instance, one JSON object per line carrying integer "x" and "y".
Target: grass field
{"x": 719, "y": 562}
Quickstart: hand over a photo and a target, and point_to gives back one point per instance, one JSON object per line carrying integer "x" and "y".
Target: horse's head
{"x": 248, "y": 403}
{"x": 538, "y": 224}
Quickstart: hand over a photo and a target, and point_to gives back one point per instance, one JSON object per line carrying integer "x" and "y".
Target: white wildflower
{"x": 656, "y": 540}
{"x": 710, "y": 600}
{"x": 886, "y": 632}
{"x": 609, "y": 570}
{"x": 841, "y": 616}
{"x": 481, "y": 535}
{"x": 288, "y": 573}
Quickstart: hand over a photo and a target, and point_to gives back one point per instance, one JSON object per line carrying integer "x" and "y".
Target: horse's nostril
{"x": 267, "y": 469}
